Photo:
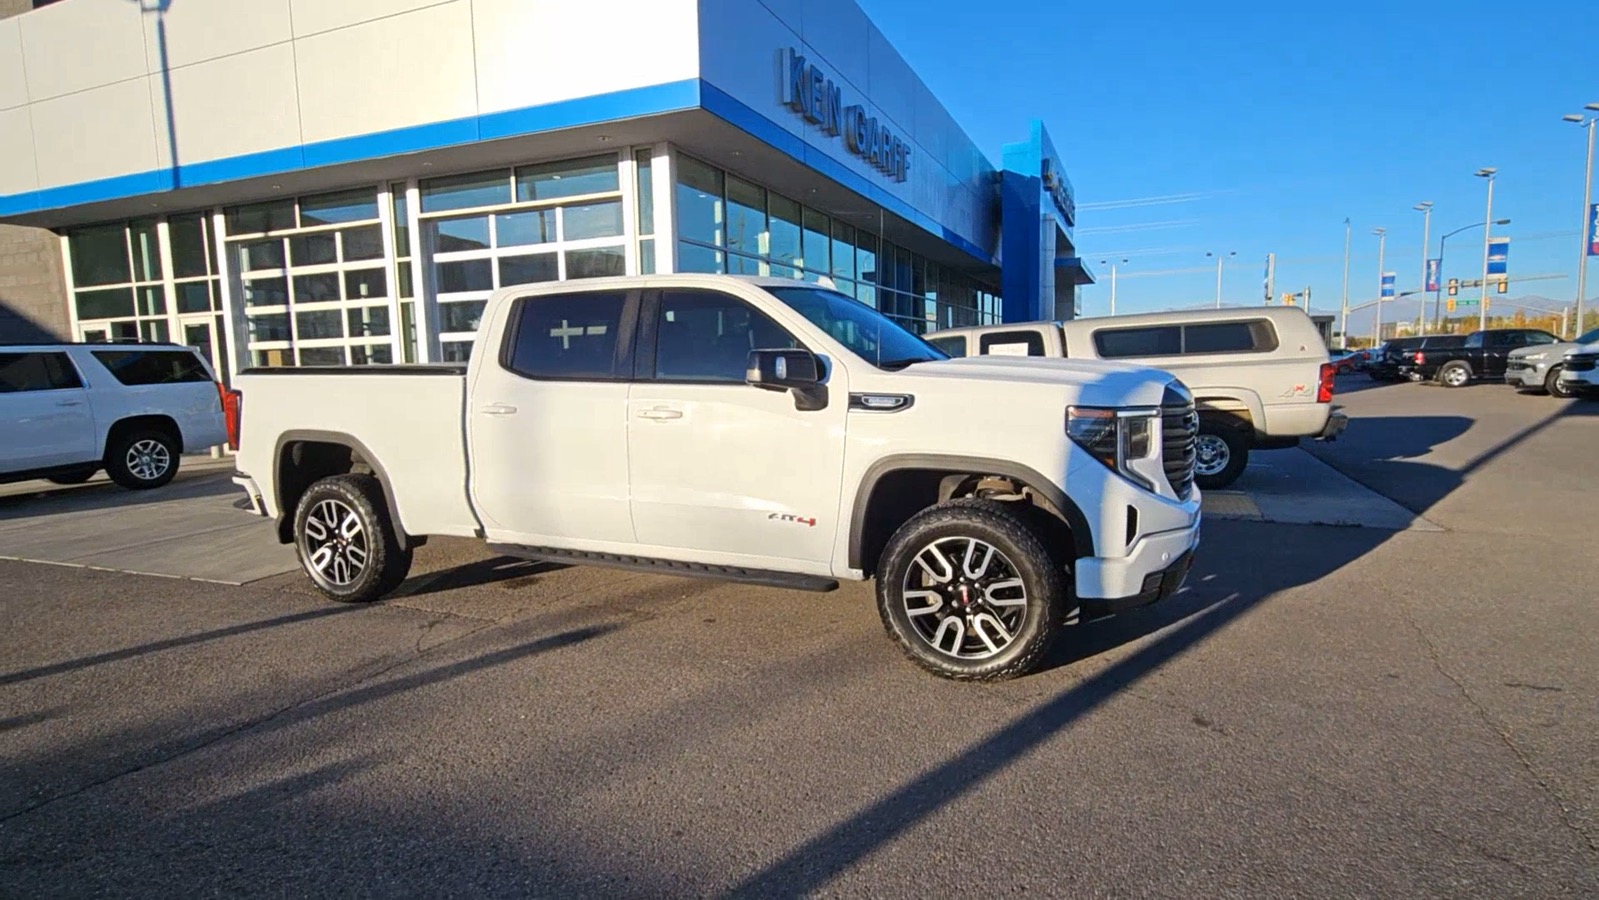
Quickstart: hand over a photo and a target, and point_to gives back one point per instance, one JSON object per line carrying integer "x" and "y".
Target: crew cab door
{"x": 719, "y": 466}
{"x": 1496, "y": 351}
{"x": 546, "y": 415}
{"x": 48, "y": 420}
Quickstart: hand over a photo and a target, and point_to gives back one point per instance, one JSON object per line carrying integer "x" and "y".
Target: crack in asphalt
{"x": 1566, "y": 815}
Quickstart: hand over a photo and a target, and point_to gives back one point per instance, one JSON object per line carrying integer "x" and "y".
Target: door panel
{"x": 548, "y": 423}
{"x": 46, "y": 410}
{"x": 717, "y": 465}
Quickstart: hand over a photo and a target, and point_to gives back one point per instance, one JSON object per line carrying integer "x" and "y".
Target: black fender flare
{"x": 1082, "y": 534}
{"x": 285, "y": 520}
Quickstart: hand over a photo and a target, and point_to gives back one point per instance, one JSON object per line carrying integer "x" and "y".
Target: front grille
{"x": 1179, "y": 430}
{"x": 1584, "y": 363}
{"x": 1517, "y": 365}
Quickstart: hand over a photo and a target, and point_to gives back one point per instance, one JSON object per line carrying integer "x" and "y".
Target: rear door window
{"x": 1011, "y": 343}
{"x": 142, "y": 367}
{"x": 575, "y": 337}
{"x": 27, "y": 372}
{"x": 1159, "y": 340}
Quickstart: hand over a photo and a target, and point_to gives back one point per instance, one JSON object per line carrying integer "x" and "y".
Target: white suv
{"x": 131, "y": 409}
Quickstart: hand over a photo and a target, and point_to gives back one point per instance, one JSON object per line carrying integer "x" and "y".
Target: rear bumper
{"x": 252, "y": 493}
{"x": 1336, "y": 423}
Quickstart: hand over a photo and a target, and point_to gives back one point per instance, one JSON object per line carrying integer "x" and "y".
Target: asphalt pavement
{"x": 1325, "y": 710}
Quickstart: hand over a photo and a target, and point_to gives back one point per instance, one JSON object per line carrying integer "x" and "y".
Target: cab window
{"x": 954, "y": 346}
{"x": 1012, "y": 343}
{"x": 708, "y": 336}
{"x": 574, "y": 337}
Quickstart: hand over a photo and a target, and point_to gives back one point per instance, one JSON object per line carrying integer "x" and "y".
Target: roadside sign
{"x": 1388, "y": 284}
{"x": 1432, "y": 274}
{"x": 1593, "y": 230}
{"x": 1498, "y": 256}
{"x": 1466, "y": 301}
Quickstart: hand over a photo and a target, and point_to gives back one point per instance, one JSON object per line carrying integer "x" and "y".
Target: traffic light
{"x": 1504, "y": 286}
{"x": 1454, "y": 287}
{"x": 1451, "y": 301}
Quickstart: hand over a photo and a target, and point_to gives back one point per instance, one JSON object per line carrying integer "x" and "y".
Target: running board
{"x": 763, "y": 577}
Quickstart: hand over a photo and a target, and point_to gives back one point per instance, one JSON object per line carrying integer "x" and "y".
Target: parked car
{"x": 759, "y": 430}
{"x": 1261, "y": 378}
{"x": 1539, "y": 367}
{"x": 1483, "y": 354}
{"x": 71, "y": 410}
{"x": 1345, "y": 361}
{"x": 1403, "y": 352}
{"x": 1579, "y": 375}
{"x": 1385, "y": 360}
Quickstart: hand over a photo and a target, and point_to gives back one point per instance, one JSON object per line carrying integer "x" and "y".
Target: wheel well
{"x": 304, "y": 463}
{"x": 1230, "y": 416}
{"x": 899, "y": 494}
{"x": 164, "y": 424}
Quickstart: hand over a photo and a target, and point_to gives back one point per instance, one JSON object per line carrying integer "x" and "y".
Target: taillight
{"x": 1421, "y": 358}
{"x": 232, "y": 411}
{"x": 1324, "y": 391}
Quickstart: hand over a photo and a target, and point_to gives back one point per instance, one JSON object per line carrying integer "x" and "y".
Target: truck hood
{"x": 1097, "y": 383}
{"x": 1545, "y": 351}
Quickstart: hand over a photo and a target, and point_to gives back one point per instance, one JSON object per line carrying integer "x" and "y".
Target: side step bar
{"x": 764, "y": 577}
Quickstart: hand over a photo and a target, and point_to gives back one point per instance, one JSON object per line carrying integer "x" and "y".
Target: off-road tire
{"x": 1237, "y": 455}
{"x": 139, "y": 476}
{"x": 1026, "y": 557}
{"x": 384, "y": 564}
{"x": 1552, "y": 385}
{"x": 1454, "y": 375}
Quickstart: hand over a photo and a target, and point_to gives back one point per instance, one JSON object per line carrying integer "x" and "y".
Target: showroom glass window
{"x": 313, "y": 278}
{"x": 727, "y": 224}
{"x": 551, "y": 221}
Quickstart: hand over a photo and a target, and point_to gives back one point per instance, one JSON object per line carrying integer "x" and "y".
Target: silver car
{"x": 1537, "y": 368}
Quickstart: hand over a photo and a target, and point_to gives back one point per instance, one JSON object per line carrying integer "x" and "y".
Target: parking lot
{"x": 1379, "y": 681}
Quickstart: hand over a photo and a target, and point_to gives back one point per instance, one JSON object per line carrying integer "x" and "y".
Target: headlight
{"x": 1115, "y": 437}
{"x": 1533, "y": 356}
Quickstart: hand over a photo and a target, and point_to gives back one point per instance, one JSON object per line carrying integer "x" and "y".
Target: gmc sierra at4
{"x": 758, "y": 430}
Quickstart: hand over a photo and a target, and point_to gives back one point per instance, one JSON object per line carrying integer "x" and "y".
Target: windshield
{"x": 1591, "y": 337}
{"x": 866, "y": 332}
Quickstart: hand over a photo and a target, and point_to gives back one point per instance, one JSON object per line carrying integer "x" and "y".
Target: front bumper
{"x": 1140, "y": 577}
{"x": 1528, "y": 377}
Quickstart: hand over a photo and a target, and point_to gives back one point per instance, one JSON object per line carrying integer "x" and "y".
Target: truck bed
{"x": 408, "y": 420}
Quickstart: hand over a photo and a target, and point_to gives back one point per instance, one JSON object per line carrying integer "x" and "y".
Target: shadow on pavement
{"x": 508, "y": 572}
{"x": 1186, "y": 620}
{"x": 19, "y": 503}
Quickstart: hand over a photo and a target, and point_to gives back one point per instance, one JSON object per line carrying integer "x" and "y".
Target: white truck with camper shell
{"x": 759, "y": 430}
{"x": 71, "y": 410}
{"x": 1261, "y": 377}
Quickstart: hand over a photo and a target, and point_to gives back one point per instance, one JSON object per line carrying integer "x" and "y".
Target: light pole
{"x": 1382, "y": 244}
{"x": 1219, "y": 258}
{"x": 1425, "y": 208}
{"x": 1437, "y": 321}
{"x": 1487, "y": 237}
{"x": 1343, "y": 322}
{"x": 1587, "y": 195}
{"x": 1112, "y": 283}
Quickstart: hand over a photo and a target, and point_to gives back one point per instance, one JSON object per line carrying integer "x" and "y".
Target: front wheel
{"x": 969, "y": 591}
{"x": 346, "y": 542}
{"x": 1220, "y": 455}
{"x": 1554, "y": 387}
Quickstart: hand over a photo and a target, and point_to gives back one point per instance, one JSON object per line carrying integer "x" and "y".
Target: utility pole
{"x": 1112, "y": 265}
{"x": 1219, "y": 257}
{"x": 1271, "y": 276}
{"x": 1426, "y": 228}
{"x": 1587, "y": 224}
{"x": 1382, "y": 243}
{"x": 1343, "y": 323}
{"x": 1487, "y": 238}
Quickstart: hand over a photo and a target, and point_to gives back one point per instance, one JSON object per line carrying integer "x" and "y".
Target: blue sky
{"x": 1280, "y": 120}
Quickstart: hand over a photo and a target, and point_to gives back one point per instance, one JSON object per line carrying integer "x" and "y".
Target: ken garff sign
{"x": 813, "y": 95}
{"x": 1499, "y": 256}
{"x": 1387, "y": 284}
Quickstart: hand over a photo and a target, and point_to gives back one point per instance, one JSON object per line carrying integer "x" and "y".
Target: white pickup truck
{"x": 757, "y": 430}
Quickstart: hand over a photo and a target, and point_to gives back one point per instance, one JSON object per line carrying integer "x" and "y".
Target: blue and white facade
{"x": 304, "y": 182}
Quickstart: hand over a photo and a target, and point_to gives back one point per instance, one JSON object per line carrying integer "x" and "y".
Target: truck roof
{"x": 1158, "y": 318}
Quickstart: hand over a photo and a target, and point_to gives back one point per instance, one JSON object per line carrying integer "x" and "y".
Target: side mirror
{"x": 798, "y": 371}
{"x": 783, "y": 370}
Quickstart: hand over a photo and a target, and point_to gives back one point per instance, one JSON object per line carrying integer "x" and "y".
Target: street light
{"x": 1112, "y": 265}
{"x": 1382, "y": 244}
{"x": 1437, "y": 321}
{"x": 1587, "y": 194}
{"x": 1219, "y": 258}
{"x": 1425, "y": 208}
{"x": 1343, "y": 320}
{"x": 1487, "y": 236}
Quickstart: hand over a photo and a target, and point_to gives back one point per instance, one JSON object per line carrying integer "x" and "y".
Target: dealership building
{"x": 306, "y": 182}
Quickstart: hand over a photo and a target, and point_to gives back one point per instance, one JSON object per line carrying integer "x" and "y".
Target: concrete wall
{"x": 33, "y": 294}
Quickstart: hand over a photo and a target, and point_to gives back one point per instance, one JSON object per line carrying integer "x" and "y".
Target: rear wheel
{"x": 143, "y": 459}
{"x": 1220, "y": 455}
{"x": 1552, "y": 384}
{"x": 1454, "y": 375}
{"x": 346, "y": 542}
{"x": 970, "y": 591}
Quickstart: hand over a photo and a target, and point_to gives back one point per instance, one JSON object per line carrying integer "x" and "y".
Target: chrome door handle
{"x": 69, "y": 403}
{"x": 498, "y": 409}
{"x": 660, "y": 415}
